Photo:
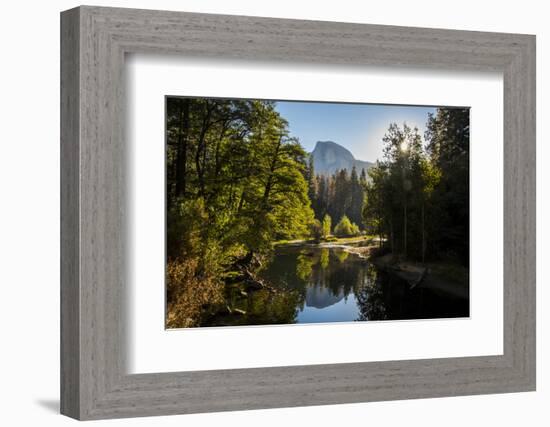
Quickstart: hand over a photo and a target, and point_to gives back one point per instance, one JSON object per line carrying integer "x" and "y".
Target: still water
{"x": 319, "y": 285}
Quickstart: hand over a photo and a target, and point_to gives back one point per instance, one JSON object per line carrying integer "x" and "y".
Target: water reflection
{"x": 331, "y": 285}
{"x": 327, "y": 280}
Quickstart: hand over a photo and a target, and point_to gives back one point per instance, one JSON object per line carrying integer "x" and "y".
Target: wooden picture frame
{"x": 94, "y": 382}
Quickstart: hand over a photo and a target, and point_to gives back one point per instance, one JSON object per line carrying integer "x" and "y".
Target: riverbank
{"x": 320, "y": 243}
{"x": 361, "y": 246}
{"x": 443, "y": 277}
{"x": 331, "y": 242}
{"x": 448, "y": 278}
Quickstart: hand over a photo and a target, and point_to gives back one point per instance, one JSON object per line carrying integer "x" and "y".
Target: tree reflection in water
{"x": 369, "y": 295}
{"x": 329, "y": 285}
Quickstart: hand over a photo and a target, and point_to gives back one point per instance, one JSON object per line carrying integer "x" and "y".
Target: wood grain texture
{"x": 70, "y": 219}
{"x": 94, "y": 271}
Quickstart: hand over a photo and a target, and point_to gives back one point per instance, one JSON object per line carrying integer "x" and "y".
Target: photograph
{"x": 287, "y": 212}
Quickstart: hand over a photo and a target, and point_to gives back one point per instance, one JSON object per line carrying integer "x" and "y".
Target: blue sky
{"x": 358, "y": 127}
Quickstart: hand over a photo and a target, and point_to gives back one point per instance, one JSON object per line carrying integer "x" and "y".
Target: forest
{"x": 418, "y": 198}
{"x": 339, "y": 195}
{"x": 238, "y": 184}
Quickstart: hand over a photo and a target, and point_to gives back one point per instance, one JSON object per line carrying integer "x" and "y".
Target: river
{"x": 329, "y": 284}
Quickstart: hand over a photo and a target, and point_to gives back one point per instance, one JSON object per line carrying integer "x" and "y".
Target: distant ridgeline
{"x": 336, "y": 183}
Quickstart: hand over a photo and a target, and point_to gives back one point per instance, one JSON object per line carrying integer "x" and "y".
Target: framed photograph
{"x": 262, "y": 213}
{"x": 267, "y": 225}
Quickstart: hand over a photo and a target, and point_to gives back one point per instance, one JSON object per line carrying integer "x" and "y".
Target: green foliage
{"x": 376, "y": 201}
{"x": 345, "y": 228}
{"x": 342, "y": 255}
{"x": 237, "y": 158}
{"x": 271, "y": 308}
{"x": 236, "y": 181}
{"x": 356, "y": 197}
{"x": 417, "y": 198}
{"x": 327, "y": 225}
{"x": 316, "y": 230}
{"x": 304, "y": 266}
{"x": 189, "y": 288}
{"x": 324, "y": 258}
{"x": 448, "y": 136}
{"x": 339, "y": 194}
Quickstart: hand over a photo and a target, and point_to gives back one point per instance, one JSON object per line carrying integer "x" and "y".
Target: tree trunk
{"x": 181, "y": 152}
{"x": 201, "y": 151}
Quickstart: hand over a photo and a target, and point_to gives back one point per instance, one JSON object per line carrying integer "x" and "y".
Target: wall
{"x": 29, "y": 225}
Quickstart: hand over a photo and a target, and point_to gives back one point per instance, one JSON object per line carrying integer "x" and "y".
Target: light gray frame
{"x": 94, "y": 41}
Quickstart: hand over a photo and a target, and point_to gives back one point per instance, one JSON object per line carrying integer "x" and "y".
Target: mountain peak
{"x": 329, "y": 143}
{"x": 329, "y": 156}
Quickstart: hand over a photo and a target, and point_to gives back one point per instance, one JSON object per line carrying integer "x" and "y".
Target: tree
{"x": 326, "y": 227}
{"x": 417, "y": 197}
{"x": 431, "y": 176}
{"x": 346, "y": 228}
{"x": 402, "y": 154}
{"x": 363, "y": 178}
{"x": 339, "y": 194}
{"x": 311, "y": 179}
{"x": 356, "y": 196}
{"x": 376, "y": 206}
{"x": 342, "y": 195}
{"x": 320, "y": 202}
{"x": 448, "y": 137}
{"x": 316, "y": 230}
{"x": 236, "y": 182}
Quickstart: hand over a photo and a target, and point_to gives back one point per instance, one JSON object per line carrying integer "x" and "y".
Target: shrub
{"x": 346, "y": 228}
{"x": 327, "y": 224}
{"x": 316, "y": 230}
{"x": 188, "y": 291}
